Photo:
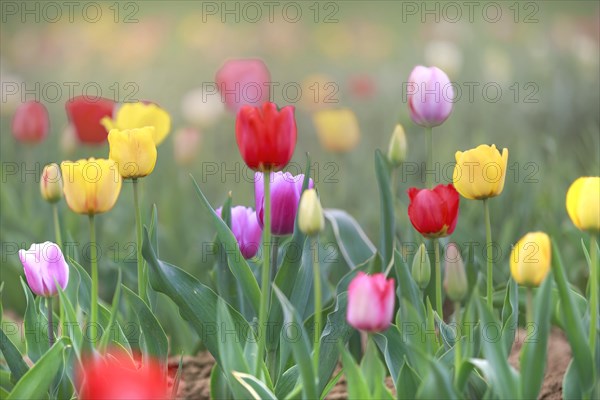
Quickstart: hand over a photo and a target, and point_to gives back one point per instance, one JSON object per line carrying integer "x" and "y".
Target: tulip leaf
{"x": 407, "y": 288}
{"x": 374, "y": 372}
{"x": 71, "y": 326}
{"x": 571, "y": 390}
{"x": 356, "y": 385}
{"x": 36, "y": 326}
{"x": 407, "y": 383}
{"x": 353, "y": 243}
{"x": 36, "y": 382}
{"x": 510, "y": 314}
{"x": 533, "y": 352}
{"x": 393, "y": 348}
{"x": 582, "y": 357}
{"x": 237, "y": 263}
{"x": 256, "y": 388}
{"x": 286, "y": 382}
{"x": 113, "y": 315}
{"x": 387, "y": 221}
{"x": 13, "y": 358}
{"x": 437, "y": 383}
{"x": 219, "y": 387}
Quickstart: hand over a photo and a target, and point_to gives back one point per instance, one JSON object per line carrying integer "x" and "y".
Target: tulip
{"x": 30, "y": 123}
{"x": 430, "y": 96}
{"x": 434, "y": 212}
{"x": 51, "y": 185}
{"x": 285, "y": 194}
{"x": 530, "y": 259}
{"x": 133, "y": 150}
{"x": 91, "y": 186}
{"x": 310, "y": 213}
{"x": 370, "y": 302}
{"x": 85, "y": 115}
{"x": 480, "y": 173}
{"x": 421, "y": 267}
{"x": 201, "y": 108}
{"x": 186, "y": 144}
{"x": 455, "y": 279}
{"x": 243, "y": 82}
{"x": 139, "y": 115}
{"x": 338, "y": 130}
{"x": 266, "y": 137}
{"x": 397, "y": 147}
{"x": 246, "y": 229}
{"x": 68, "y": 139}
{"x": 583, "y": 203}
{"x": 115, "y": 377}
{"x": 44, "y": 267}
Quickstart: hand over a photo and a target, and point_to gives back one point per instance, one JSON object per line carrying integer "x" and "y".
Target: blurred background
{"x": 528, "y": 74}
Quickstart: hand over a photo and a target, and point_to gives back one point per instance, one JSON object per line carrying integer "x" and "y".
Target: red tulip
{"x": 117, "y": 377}
{"x": 31, "y": 122}
{"x": 243, "y": 82}
{"x": 266, "y": 137}
{"x": 434, "y": 212}
{"x": 85, "y": 115}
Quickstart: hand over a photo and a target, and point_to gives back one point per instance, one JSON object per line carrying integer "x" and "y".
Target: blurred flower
{"x": 338, "y": 130}
{"x": 310, "y": 213}
{"x": 243, "y": 82}
{"x": 455, "y": 277}
{"x": 266, "y": 137}
{"x": 397, "y": 147}
{"x": 421, "y": 267}
{"x": 85, "y": 115}
{"x": 370, "y": 302}
{"x": 115, "y": 376}
{"x": 583, "y": 203}
{"x": 530, "y": 259}
{"x": 362, "y": 86}
{"x": 445, "y": 54}
{"x": 44, "y": 264}
{"x": 30, "y": 123}
{"x": 285, "y": 194}
{"x": 51, "y": 185}
{"x": 318, "y": 92}
{"x": 246, "y": 229}
{"x": 133, "y": 150}
{"x": 480, "y": 172}
{"x": 434, "y": 212}
{"x": 202, "y": 109}
{"x": 430, "y": 96}
{"x": 139, "y": 115}
{"x": 186, "y": 144}
{"x": 91, "y": 186}
{"x": 497, "y": 66}
{"x": 68, "y": 139}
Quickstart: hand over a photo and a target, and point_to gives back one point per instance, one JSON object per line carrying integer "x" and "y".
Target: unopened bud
{"x": 51, "y": 184}
{"x": 310, "y": 218}
{"x": 397, "y": 148}
{"x": 455, "y": 281}
{"x": 421, "y": 267}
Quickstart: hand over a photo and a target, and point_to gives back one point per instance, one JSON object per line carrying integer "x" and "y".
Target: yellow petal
{"x": 530, "y": 259}
{"x": 74, "y": 187}
{"x": 139, "y": 115}
{"x": 338, "y": 130}
{"x": 133, "y": 150}
{"x": 583, "y": 203}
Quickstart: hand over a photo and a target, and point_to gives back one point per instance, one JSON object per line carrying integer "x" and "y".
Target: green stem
{"x": 593, "y": 293}
{"x": 318, "y": 301}
{"x": 274, "y": 256}
{"x": 429, "y": 166}
{"x": 57, "y": 226}
{"x": 138, "y": 228}
{"x": 529, "y": 310}
{"x": 265, "y": 275}
{"x": 438, "y": 280}
{"x": 50, "y": 324}
{"x": 457, "y": 347}
{"x": 94, "y": 297}
{"x": 488, "y": 243}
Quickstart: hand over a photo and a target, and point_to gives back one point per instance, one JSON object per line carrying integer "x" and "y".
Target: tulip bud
{"x": 430, "y": 96}
{"x": 397, "y": 148}
{"x": 370, "y": 302}
{"x": 310, "y": 217}
{"x": 530, "y": 259}
{"x": 455, "y": 280}
{"x": 421, "y": 267}
{"x": 44, "y": 267}
{"x": 583, "y": 198}
{"x": 51, "y": 184}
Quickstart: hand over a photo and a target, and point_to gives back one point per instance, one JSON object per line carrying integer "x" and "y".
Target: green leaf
{"x": 437, "y": 384}
{"x": 352, "y": 241}
{"x": 382, "y": 170}
{"x": 570, "y": 384}
{"x": 72, "y": 327}
{"x": 393, "y": 348}
{"x": 36, "y": 382}
{"x": 13, "y": 358}
{"x": 374, "y": 372}
{"x": 36, "y": 326}
{"x": 219, "y": 387}
{"x": 510, "y": 314}
{"x": 331, "y": 384}
{"x": 356, "y": 385}
{"x": 533, "y": 352}
{"x": 407, "y": 383}
{"x": 113, "y": 315}
{"x": 286, "y": 382}
{"x": 582, "y": 358}
{"x": 407, "y": 288}
{"x": 257, "y": 389}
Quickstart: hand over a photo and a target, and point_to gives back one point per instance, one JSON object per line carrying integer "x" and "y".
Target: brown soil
{"x": 195, "y": 379}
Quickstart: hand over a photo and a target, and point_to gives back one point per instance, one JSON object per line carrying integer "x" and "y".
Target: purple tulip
{"x": 246, "y": 230}
{"x": 286, "y": 190}
{"x": 44, "y": 264}
{"x": 430, "y": 96}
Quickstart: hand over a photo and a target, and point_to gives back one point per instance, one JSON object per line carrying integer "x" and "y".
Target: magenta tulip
{"x": 44, "y": 264}
{"x": 430, "y": 96}
{"x": 286, "y": 190}
{"x": 246, "y": 230}
{"x": 370, "y": 302}
{"x": 243, "y": 82}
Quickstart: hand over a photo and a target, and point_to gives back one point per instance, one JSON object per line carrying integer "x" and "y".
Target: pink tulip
{"x": 243, "y": 82}
{"x": 286, "y": 190}
{"x": 370, "y": 302}
{"x": 246, "y": 230}
{"x": 44, "y": 264}
{"x": 430, "y": 96}
{"x": 31, "y": 123}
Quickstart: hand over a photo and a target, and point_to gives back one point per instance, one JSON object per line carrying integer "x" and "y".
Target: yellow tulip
{"x": 530, "y": 259}
{"x": 51, "y": 185}
{"x": 480, "y": 172}
{"x": 310, "y": 213}
{"x": 583, "y": 203}
{"x": 133, "y": 150}
{"x": 338, "y": 130}
{"x": 139, "y": 115}
{"x": 91, "y": 186}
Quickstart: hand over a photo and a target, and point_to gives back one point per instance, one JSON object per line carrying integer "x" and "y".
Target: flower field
{"x": 300, "y": 200}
